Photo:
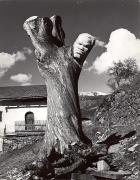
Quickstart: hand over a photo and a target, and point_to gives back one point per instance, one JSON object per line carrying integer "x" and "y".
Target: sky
{"x": 114, "y": 23}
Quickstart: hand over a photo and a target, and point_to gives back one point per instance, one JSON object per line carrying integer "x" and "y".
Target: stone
{"x": 102, "y": 166}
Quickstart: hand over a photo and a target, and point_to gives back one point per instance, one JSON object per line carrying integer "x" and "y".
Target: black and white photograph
{"x": 69, "y": 89}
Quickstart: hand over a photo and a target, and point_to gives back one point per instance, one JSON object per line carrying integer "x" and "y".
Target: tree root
{"x": 77, "y": 157}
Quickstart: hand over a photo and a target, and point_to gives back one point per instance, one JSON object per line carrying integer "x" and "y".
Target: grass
{"x": 12, "y": 163}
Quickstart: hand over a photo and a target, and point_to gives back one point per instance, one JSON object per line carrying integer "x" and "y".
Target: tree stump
{"x": 66, "y": 148}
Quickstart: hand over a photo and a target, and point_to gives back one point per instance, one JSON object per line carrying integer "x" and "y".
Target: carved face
{"x": 82, "y": 45}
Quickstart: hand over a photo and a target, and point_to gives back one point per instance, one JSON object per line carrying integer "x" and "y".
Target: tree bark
{"x": 60, "y": 71}
{"x": 64, "y": 118}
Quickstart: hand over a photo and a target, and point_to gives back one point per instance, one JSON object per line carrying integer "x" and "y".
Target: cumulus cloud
{"x": 122, "y": 45}
{"x": 22, "y": 79}
{"x": 8, "y": 60}
{"x": 100, "y": 43}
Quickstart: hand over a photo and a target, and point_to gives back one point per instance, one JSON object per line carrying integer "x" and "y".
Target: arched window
{"x": 29, "y": 121}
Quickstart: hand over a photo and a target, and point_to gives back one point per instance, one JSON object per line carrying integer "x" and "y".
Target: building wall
{"x": 17, "y": 113}
{"x": 2, "y": 128}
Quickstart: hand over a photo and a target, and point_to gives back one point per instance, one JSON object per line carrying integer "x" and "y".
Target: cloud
{"x": 8, "y": 60}
{"x": 122, "y": 45}
{"x": 100, "y": 43}
{"x": 27, "y": 50}
{"x": 22, "y": 79}
{"x": 2, "y": 72}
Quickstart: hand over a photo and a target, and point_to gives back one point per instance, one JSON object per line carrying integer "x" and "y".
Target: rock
{"x": 114, "y": 148}
{"x": 132, "y": 148}
{"x": 102, "y": 166}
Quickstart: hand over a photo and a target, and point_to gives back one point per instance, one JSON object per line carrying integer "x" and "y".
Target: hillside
{"x": 117, "y": 112}
{"x": 89, "y": 104}
{"x": 120, "y": 112}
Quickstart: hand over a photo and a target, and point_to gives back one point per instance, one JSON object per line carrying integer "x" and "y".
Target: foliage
{"x": 121, "y": 108}
{"x": 135, "y": 82}
{"x": 121, "y": 73}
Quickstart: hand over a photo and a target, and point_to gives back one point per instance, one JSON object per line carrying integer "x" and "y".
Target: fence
{"x": 36, "y": 126}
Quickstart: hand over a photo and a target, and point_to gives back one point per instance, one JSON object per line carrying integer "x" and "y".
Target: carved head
{"x": 83, "y": 45}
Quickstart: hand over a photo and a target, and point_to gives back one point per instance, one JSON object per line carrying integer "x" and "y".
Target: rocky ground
{"x": 123, "y": 156}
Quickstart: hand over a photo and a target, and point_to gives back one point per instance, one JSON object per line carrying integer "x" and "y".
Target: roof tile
{"x": 21, "y": 92}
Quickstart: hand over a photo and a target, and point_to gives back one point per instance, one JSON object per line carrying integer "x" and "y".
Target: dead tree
{"x": 65, "y": 147}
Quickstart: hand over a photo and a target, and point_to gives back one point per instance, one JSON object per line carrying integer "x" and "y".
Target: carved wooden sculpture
{"x": 65, "y": 147}
{"x": 60, "y": 67}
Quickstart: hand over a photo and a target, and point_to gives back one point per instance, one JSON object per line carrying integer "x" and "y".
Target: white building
{"x": 23, "y": 109}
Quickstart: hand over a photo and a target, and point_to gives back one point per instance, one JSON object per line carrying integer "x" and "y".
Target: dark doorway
{"x": 29, "y": 121}
{"x": 0, "y": 116}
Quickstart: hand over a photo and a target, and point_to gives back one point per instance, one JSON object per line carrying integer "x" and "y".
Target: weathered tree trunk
{"x": 61, "y": 73}
{"x": 65, "y": 148}
{"x": 64, "y": 118}
{"x": 60, "y": 67}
